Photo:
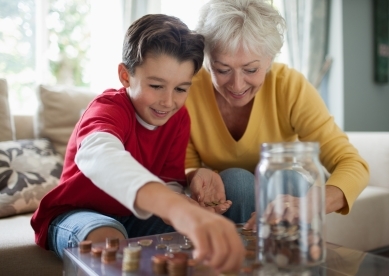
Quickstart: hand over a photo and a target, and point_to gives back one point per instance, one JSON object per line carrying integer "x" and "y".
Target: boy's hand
{"x": 208, "y": 190}
{"x": 191, "y": 201}
{"x": 215, "y": 238}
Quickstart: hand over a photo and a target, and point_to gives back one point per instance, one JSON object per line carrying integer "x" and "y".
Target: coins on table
{"x": 108, "y": 255}
{"x": 111, "y": 242}
{"x": 145, "y": 242}
{"x": 166, "y": 238}
{"x": 85, "y": 247}
{"x": 96, "y": 251}
{"x": 159, "y": 263}
{"x": 174, "y": 264}
{"x": 161, "y": 246}
{"x": 131, "y": 258}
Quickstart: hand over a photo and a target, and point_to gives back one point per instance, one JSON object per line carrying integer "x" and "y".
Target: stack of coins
{"x": 131, "y": 258}
{"x": 108, "y": 255}
{"x": 112, "y": 242}
{"x": 177, "y": 263}
{"x": 85, "y": 247}
{"x": 159, "y": 263}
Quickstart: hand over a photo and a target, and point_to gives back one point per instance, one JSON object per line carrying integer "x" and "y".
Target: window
{"x": 43, "y": 41}
{"x": 71, "y": 42}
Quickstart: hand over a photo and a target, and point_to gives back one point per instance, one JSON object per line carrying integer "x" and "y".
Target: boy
{"x": 127, "y": 145}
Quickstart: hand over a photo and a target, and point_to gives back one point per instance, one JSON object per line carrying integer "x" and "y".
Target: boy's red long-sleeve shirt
{"x": 160, "y": 151}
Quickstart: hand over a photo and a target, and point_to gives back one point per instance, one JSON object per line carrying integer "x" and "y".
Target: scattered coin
{"x": 161, "y": 246}
{"x": 145, "y": 242}
{"x": 174, "y": 248}
{"x": 186, "y": 246}
{"x": 166, "y": 238}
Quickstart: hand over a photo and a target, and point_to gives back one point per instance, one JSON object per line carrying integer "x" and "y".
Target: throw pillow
{"x": 29, "y": 169}
{"x": 5, "y": 117}
{"x": 59, "y": 111}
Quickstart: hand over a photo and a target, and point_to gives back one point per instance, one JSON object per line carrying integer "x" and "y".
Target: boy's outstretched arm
{"x": 215, "y": 238}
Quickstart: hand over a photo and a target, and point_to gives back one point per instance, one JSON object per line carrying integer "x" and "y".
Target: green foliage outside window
{"x": 66, "y": 51}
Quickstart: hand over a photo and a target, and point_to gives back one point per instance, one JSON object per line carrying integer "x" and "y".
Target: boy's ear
{"x": 124, "y": 76}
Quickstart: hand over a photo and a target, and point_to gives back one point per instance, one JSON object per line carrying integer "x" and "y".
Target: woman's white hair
{"x": 253, "y": 24}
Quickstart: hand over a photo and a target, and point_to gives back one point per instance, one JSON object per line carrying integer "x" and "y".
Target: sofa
{"x": 42, "y": 138}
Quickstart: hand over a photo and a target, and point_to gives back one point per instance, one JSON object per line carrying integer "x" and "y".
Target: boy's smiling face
{"x": 159, "y": 87}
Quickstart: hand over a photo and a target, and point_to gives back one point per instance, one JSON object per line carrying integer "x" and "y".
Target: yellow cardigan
{"x": 286, "y": 108}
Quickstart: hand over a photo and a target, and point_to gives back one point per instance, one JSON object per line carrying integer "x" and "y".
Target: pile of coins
{"x": 159, "y": 263}
{"x": 174, "y": 264}
{"x": 131, "y": 258}
{"x": 112, "y": 242}
{"x": 288, "y": 244}
{"x": 108, "y": 255}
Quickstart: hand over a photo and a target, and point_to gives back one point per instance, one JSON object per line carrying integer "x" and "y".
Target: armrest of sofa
{"x": 374, "y": 148}
{"x": 366, "y": 227}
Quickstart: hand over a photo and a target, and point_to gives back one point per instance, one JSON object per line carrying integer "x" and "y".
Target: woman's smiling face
{"x": 238, "y": 76}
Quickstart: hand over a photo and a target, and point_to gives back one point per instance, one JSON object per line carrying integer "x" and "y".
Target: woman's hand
{"x": 207, "y": 189}
{"x": 289, "y": 208}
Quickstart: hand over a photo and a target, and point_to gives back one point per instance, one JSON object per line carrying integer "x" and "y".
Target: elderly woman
{"x": 241, "y": 99}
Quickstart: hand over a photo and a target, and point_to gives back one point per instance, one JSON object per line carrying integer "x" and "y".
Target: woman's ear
{"x": 124, "y": 76}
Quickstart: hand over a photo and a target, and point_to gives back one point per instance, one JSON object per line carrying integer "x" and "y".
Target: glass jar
{"x": 290, "y": 205}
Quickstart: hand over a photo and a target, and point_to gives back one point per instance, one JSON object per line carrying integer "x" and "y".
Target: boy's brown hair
{"x": 161, "y": 34}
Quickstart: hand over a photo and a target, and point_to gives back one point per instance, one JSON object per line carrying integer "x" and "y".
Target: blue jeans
{"x": 239, "y": 188}
{"x": 68, "y": 229}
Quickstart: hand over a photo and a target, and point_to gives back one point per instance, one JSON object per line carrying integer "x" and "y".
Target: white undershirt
{"x": 103, "y": 159}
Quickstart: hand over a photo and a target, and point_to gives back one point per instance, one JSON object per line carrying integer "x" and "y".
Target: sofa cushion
{"x": 5, "y": 117}
{"x": 19, "y": 254}
{"x": 59, "y": 110}
{"x": 28, "y": 170}
{"x": 366, "y": 227}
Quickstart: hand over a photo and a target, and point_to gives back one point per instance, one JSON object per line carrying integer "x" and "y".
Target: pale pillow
{"x": 29, "y": 169}
{"x": 6, "y": 133}
{"x": 59, "y": 111}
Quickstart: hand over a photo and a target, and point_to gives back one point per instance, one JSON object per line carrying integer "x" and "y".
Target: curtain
{"x": 307, "y": 37}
